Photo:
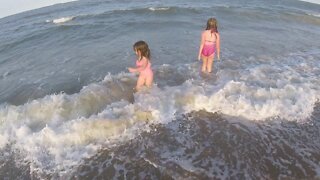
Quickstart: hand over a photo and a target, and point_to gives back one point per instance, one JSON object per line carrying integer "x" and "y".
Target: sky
{"x": 10, "y": 7}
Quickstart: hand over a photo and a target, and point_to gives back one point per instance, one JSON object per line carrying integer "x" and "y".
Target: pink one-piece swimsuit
{"x": 147, "y": 72}
{"x": 208, "y": 48}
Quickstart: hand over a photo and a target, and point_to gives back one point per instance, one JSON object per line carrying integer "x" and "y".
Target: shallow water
{"x": 68, "y": 110}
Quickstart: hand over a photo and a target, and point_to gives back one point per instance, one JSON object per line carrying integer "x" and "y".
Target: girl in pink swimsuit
{"x": 210, "y": 43}
{"x": 143, "y": 65}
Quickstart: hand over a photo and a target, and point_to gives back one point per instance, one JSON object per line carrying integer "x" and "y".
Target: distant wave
{"x": 314, "y": 14}
{"x": 159, "y": 8}
{"x": 124, "y": 11}
{"x": 61, "y": 20}
{"x": 312, "y": 1}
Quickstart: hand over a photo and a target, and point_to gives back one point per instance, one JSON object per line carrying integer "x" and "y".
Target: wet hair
{"x": 143, "y": 48}
{"x": 212, "y": 25}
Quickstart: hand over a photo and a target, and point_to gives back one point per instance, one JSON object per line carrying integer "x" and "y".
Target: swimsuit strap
{"x": 211, "y": 36}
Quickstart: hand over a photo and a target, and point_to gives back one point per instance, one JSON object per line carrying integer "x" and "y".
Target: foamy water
{"x": 64, "y": 129}
{"x": 61, "y": 20}
{"x": 159, "y": 8}
{"x": 312, "y": 1}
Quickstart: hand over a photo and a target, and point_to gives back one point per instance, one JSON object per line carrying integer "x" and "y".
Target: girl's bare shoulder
{"x": 206, "y": 31}
{"x": 144, "y": 59}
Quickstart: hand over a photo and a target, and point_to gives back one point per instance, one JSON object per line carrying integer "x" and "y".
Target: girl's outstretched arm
{"x": 201, "y": 46}
{"x": 218, "y": 46}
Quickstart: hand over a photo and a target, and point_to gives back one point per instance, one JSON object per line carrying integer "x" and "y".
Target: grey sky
{"x": 10, "y": 7}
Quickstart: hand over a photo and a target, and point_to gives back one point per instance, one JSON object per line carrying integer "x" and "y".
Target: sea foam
{"x": 61, "y": 20}
{"x": 312, "y": 1}
{"x": 58, "y": 131}
{"x": 159, "y": 8}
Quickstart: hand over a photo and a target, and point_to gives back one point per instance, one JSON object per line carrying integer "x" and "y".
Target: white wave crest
{"x": 312, "y": 1}
{"x": 314, "y": 14}
{"x": 159, "y": 8}
{"x": 58, "y": 131}
{"x": 61, "y": 20}
{"x": 3, "y": 140}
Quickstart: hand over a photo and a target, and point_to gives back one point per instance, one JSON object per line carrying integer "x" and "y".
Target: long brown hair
{"x": 212, "y": 25}
{"x": 143, "y": 48}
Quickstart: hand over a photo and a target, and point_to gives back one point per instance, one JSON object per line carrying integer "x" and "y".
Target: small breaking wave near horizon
{"x": 159, "y": 8}
{"x": 311, "y": 1}
{"x": 61, "y": 20}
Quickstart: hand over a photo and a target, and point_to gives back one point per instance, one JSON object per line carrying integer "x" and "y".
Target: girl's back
{"x": 209, "y": 37}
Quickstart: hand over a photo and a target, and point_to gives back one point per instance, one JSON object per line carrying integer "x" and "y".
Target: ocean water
{"x": 68, "y": 110}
